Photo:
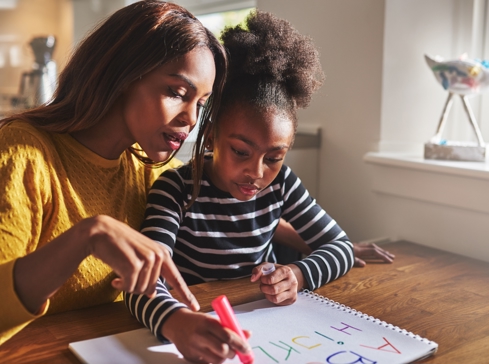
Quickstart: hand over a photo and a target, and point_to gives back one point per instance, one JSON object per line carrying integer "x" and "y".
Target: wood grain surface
{"x": 438, "y": 295}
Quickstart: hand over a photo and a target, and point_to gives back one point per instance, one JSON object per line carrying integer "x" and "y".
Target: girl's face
{"x": 249, "y": 150}
{"x": 162, "y": 107}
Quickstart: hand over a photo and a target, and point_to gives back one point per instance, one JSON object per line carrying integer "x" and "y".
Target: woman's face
{"x": 249, "y": 150}
{"x": 162, "y": 107}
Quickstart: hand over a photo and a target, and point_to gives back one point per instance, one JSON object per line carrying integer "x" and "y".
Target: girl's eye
{"x": 239, "y": 153}
{"x": 274, "y": 160}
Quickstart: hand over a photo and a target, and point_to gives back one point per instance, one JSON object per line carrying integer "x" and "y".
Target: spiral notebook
{"x": 312, "y": 330}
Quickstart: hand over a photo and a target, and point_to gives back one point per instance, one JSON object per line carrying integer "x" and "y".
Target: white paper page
{"x": 307, "y": 332}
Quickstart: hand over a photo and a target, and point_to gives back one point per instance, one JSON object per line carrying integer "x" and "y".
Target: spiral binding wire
{"x": 365, "y": 316}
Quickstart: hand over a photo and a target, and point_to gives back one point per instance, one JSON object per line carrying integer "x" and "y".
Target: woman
{"x": 75, "y": 172}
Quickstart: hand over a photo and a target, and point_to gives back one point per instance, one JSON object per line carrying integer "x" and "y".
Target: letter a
{"x": 381, "y": 348}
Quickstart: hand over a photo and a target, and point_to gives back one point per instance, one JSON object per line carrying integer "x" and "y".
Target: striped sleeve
{"x": 332, "y": 252}
{"x": 153, "y": 312}
{"x": 164, "y": 210}
{"x": 162, "y": 220}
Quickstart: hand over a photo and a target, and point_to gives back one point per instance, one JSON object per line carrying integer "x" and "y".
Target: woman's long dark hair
{"x": 130, "y": 43}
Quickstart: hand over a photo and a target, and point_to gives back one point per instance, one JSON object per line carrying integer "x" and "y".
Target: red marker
{"x": 226, "y": 314}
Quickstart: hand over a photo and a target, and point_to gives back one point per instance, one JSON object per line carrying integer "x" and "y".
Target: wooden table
{"x": 438, "y": 295}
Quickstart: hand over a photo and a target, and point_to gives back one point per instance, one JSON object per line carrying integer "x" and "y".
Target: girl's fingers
{"x": 214, "y": 345}
{"x": 281, "y": 273}
{"x": 234, "y": 343}
{"x": 217, "y": 349}
{"x": 256, "y": 273}
{"x": 281, "y": 288}
{"x": 225, "y": 342}
{"x": 359, "y": 262}
{"x": 369, "y": 252}
{"x": 207, "y": 356}
{"x": 277, "y": 288}
{"x": 283, "y": 298}
{"x": 247, "y": 333}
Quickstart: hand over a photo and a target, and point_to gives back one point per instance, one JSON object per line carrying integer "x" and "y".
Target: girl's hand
{"x": 370, "y": 252}
{"x": 200, "y": 338}
{"x": 281, "y": 286}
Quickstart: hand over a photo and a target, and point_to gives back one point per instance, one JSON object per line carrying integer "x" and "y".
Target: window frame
{"x": 203, "y": 7}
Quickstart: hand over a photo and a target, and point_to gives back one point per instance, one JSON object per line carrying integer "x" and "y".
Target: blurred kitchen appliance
{"x": 37, "y": 86}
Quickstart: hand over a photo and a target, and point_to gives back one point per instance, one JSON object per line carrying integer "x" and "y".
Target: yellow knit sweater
{"x": 48, "y": 183}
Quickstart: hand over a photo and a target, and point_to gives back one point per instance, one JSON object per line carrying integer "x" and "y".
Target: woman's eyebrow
{"x": 185, "y": 79}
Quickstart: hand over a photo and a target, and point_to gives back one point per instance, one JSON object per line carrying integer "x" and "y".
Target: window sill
{"x": 462, "y": 185}
{"x": 466, "y": 169}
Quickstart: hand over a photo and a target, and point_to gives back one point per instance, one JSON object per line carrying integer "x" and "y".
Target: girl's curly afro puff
{"x": 270, "y": 64}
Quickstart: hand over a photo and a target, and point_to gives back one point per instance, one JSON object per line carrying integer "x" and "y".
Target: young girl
{"x": 220, "y": 225}
{"x": 73, "y": 177}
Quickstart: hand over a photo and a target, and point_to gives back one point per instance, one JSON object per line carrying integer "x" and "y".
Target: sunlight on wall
{"x": 216, "y": 22}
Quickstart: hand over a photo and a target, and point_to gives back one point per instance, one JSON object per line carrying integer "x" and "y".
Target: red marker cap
{"x": 226, "y": 314}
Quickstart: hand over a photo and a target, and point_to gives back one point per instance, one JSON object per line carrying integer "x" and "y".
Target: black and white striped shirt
{"x": 221, "y": 237}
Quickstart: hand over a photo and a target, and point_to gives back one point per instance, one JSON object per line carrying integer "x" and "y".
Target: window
{"x": 200, "y": 7}
{"x": 483, "y": 41}
{"x": 412, "y": 100}
{"x": 217, "y": 14}
{"x": 473, "y": 38}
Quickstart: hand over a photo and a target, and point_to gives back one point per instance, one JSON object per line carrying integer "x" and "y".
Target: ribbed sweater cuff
{"x": 13, "y": 315}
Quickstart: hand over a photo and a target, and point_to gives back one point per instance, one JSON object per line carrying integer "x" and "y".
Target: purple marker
{"x": 267, "y": 269}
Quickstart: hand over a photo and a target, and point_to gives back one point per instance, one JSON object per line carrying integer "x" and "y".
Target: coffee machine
{"x": 37, "y": 85}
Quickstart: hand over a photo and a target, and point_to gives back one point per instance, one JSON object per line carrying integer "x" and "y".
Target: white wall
{"x": 424, "y": 209}
{"x": 379, "y": 93}
{"x": 412, "y": 101}
{"x": 349, "y": 34}
{"x": 88, "y": 13}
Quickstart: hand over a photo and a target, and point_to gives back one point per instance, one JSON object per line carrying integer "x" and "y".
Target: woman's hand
{"x": 370, "y": 252}
{"x": 200, "y": 338}
{"x": 281, "y": 286}
{"x": 136, "y": 259}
